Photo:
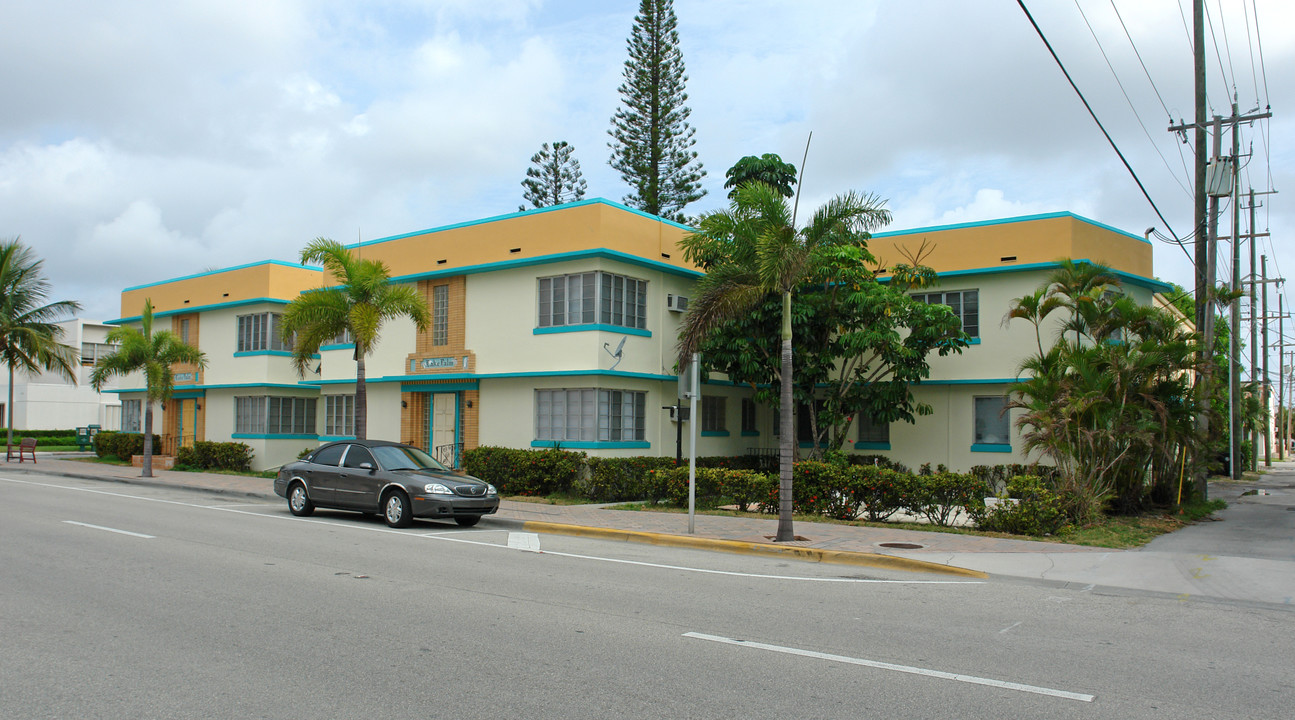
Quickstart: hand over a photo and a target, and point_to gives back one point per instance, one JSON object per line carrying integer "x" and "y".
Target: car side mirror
{"x": 368, "y": 466}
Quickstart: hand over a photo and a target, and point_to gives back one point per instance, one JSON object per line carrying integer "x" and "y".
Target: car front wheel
{"x": 395, "y": 509}
{"x": 298, "y": 501}
{"x": 467, "y": 520}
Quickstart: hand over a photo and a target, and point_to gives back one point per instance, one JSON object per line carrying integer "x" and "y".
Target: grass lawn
{"x": 1121, "y": 532}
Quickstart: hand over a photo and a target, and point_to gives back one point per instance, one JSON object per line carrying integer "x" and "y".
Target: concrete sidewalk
{"x": 1255, "y": 564}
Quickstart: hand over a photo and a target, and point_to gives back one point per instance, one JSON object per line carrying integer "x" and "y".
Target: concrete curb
{"x": 839, "y": 557}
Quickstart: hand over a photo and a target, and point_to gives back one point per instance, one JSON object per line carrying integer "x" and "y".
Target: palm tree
{"x": 754, "y": 249}
{"x": 152, "y": 353}
{"x": 29, "y": 339}
{"x": 364, "y": 300}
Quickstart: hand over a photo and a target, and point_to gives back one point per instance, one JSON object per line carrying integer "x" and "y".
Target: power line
{"x": 1082, "y": 99}
{"x": 1130, "y": 101}
{"x": 1226, "y": 44}
{"x": 1213, "y": 37}
{"x": 1181, "y": 158}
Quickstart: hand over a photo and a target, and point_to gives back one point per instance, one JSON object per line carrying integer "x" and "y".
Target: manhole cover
{"x": 901, "y": 545}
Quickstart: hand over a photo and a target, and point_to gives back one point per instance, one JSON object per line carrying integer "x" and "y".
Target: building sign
{"x": 184, "y": 377}
{"x": 437, "y": 362}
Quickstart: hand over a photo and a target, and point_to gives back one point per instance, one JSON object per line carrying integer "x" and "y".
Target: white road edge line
{"x": 897, "y": 668}
{"x": 446, "y": 538}
{"x": 112, "y": 530}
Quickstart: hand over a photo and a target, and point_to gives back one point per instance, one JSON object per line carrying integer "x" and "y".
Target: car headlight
{"x": 436, "y": 489}
{"x": 490, "y": 490}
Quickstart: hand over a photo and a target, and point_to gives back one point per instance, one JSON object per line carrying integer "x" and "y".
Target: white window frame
{"x": 274, "y": 415}
{"x": 259, "y": 332}
{"x": 991, "y": 421}
{"x": 440, "y": 315}
{"x": 957, "y": 301}
{"x": 592, "y": 297}
{"x": 714, "y": 408}
{"x": 339, "y": 415}
{"x": 590, "y": 415}
{"x": 132, "y": 414}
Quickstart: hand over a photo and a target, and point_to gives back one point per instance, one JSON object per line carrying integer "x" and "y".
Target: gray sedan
{"x": 377, "y": 476}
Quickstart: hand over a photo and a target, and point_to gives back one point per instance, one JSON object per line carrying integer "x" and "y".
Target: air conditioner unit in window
{"x": 676, "y": 303}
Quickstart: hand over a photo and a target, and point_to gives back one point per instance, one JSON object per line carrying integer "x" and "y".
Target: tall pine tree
{"x": 653, "y": 141}
{"x": 554, "y": 177}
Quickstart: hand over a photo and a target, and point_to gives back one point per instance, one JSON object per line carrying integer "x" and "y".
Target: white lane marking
{"x": 529, "y": 542}
{"x": 111, "y": 530}
{"x": 1009, "y": 627}
{"x": 444, "y": 537}
{"x": 897, "y": 668}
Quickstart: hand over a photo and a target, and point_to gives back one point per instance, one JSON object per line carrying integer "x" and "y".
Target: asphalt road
{"x": 134, "y": 602}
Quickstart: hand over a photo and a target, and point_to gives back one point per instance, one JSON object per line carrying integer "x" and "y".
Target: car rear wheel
{"x": 298, "y": 501}
{"x": 395, "y": 509}
{"x": 467, "y": 520}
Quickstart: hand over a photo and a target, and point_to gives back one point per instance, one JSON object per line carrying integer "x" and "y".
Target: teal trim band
{"x": 438, "y": 387}
{"x": 231, "y": 386}
{"x": 714, "y": 433}
{"x": 991, "y": 447}
{"x": 750, "y": 433}
{"x": 188, "y": 394}
{"x": 200, "y": 308}
{"x": 872, "y": 446}
{"x": 597, "y": 253}
{"x": 597, "y": 445}
{"x": 475, "y": 377}
{"x": 297, "y": 266}
{"x": 973, "y": 341}
{"x": 337, "y": 346}
{"x": 274, "y": 353}
{"x": 1008, "y": 221}
{"x": 599, "y": 327}
{"x": 334, "y": 438}
{"x": 267, "y": 436}
{"x": 970, "y": 381}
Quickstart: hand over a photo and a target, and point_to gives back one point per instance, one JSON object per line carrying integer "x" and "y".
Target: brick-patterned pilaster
{"x": 456, "y": 329}
{"x": 469, "y": 413}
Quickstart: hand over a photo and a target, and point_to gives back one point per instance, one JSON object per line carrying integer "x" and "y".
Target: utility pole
{"x": 1281, "y": 375}
{"x": 1234, "y": 340}
{"x": 1267, "y": 425}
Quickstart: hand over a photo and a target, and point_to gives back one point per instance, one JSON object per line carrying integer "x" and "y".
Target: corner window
{"x": 590, "y": 415}
{"x": 260, "y": 332}
{"x": 965, "y": 305}
{"x": 712, "y": 414}
{"x": 274, "y": 415}
{"x": 339, "y": 415}
{"x": 592, "y": 297}
{"x": 992, "y": 422}
{"x": 130, "y": 414}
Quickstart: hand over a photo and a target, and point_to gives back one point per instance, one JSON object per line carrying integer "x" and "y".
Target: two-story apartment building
{"x": 558, "y": 327}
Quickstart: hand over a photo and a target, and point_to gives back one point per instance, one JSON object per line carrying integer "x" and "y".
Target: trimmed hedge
{"x": 621, "y": 479}
{"x": 123, "y": 445}
{"x": 714, "y": 484}
{"x": 215, "y": 456}
{"x": 40, "y": 434}
{"x": 525, "y": 472}
{"x": 939, "y": 496}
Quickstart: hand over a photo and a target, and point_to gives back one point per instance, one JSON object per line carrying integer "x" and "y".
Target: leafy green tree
{"x": 652, "y": 140}
{"x": 153, "y": 354}
{"x": 554, "y": 177}
{"x": 29, "y": 337}
{"x": 754, "y": 249}
{"x": 768, "y": 169}
{"x": 1108, "y": 400}
{"x": 363, "y": 301}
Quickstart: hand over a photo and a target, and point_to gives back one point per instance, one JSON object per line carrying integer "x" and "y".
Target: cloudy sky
{"x": 143, "y": 140}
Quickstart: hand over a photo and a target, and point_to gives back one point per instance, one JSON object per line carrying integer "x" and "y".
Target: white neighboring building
{"x": 47, "y": 401}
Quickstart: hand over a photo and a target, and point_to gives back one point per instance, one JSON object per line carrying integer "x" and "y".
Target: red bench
{"x": 23, "y": 449}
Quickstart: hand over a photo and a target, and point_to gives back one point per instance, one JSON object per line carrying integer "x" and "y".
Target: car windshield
{"x": 400, "y": 457}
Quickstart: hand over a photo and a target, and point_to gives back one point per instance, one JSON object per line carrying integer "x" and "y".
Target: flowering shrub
{"x": 880, "y": 491}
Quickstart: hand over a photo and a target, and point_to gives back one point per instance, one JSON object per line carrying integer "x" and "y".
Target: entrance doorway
{"x": 443, "y": 429}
